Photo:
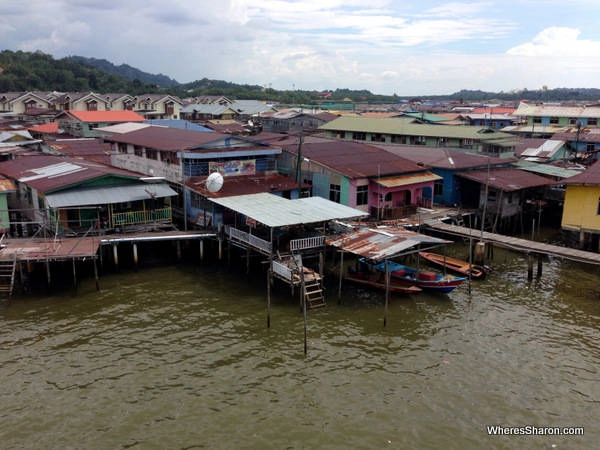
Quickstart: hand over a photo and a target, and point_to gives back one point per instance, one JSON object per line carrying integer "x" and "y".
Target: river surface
{"x": 180, "y": 356}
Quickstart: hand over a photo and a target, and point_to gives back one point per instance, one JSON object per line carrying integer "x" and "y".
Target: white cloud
{"x": 557, "y": 41}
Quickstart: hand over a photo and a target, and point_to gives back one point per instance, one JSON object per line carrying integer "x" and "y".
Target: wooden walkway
{"x": 522, "y": 245}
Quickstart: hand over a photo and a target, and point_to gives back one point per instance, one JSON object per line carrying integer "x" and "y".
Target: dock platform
{"x": 518, "y": 244}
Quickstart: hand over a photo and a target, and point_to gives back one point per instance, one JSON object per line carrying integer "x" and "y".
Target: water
{"x": 180, "y": 357}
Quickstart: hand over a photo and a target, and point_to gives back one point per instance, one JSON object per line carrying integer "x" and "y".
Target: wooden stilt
{"x": 341, "y": 276}
{"x": 116, "y": 256}
{"x": 201, "y": 249}
{"x": 178, "y": 246}
{"x": 539, "y": 266}
{"x": 48, "y": 272}
{"x": 96, "y": 275}
{"x": 220, "y": 249}
{"x": 529, "y": 267}
{"x": 269, "y": 298}
{"x": 74, "y": 276}
{"x": 135, "y": 255}
{"x": 304, "y": 309}
{"x": 387, "y": 293}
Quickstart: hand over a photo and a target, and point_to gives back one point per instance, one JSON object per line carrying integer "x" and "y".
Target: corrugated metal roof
{"x": 547, "y": 169}
{"x": 405, "y": 126}
{"x": 108, "y": 194}
{"x": 508, "y": 180}
{"x": 591, "y": 176}
{"x": 557, "y": 111}
{"x": 382, "y": 243}
{"x": 390, "y": 182}
{"x": 274, "y": 211}
{"x": 245, "y": 184}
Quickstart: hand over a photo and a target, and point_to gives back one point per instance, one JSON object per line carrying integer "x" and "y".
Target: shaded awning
{"x": 405, "y": 180}
{"x": 104, "y": 195}
{"x": 383, "y": 243}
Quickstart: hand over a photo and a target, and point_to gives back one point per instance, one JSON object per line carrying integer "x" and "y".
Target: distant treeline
{"x": 37, "y": 71}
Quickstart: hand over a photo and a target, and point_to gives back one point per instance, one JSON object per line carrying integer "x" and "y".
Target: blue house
{"x": 446, "y": 163}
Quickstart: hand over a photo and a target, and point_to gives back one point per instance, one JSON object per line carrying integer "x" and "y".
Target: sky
{"x": 387, "y": 47}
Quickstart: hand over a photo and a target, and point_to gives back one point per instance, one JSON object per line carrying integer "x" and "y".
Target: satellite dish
{"x": 214, "y": 182}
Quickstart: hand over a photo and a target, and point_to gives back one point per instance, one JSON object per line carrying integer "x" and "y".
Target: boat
{"x": 376, "y": 279}
{"x": 423, "y": 279}
{"x": 456, "y": 265}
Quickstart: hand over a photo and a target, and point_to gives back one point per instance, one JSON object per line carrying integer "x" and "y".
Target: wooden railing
{"x": 141, "y": 217}
{"x": 250, "y": 239}
{"x": 305, "y": 243}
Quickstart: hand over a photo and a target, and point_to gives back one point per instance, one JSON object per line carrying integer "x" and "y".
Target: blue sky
{"x": 403, "y": 47}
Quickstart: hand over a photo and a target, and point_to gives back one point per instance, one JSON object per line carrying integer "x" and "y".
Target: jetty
{"x": 531, "y": 248}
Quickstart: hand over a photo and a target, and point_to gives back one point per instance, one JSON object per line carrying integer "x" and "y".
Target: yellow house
{"x": 581, "y": 211}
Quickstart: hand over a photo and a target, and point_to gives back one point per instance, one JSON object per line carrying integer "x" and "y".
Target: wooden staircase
{"x": 7, "y": 277}
{"x": 313, "y": 293}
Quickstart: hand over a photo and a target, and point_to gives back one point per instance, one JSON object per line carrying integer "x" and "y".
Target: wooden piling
{"x": 116, "y": 255}
{"x": 96, "y": 275}
{"x": 529, "y": 267}
{"x": 269, "y": 298}
{"x": 201, "y": 249}
{"x": 539, "y": 266}
{"x": 341, "y": 276}
{"x": 135, "y": 256}
{"x": 74, "y": 276}
{"x": 387, "y": 292}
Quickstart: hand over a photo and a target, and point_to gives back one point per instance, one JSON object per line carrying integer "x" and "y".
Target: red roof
{"x": 107, "y": 116}
{"x": 51, "y": 127}
{"x": 507, "y": 180}
{"x": 493, "y": 110}
{"x": 165, "y": 138}
{"x": 245, "y": 184}
{"x": 47, "y": 173}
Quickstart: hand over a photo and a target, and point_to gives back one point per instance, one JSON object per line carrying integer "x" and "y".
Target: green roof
{"x": 426, "y": 117}
{"x": 405, "y": 126}
{"x": 546, "y": 169}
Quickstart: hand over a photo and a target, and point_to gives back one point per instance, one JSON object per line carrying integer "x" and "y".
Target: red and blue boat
{"x": 423, "y": 279}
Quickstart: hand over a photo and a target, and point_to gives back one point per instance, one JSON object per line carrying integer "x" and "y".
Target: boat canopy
{"x": 383, "y": 242}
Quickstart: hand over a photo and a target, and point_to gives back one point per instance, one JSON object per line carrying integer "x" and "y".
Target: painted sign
{"x": 233, "y": 167}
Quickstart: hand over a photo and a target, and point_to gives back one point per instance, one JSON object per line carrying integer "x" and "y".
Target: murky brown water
{"x": 180, "y": 357}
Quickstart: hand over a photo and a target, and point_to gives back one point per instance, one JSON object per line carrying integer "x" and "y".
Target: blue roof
{"x": 179, "y": 124}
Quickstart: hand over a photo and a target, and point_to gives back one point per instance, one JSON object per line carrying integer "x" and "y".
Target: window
{"x": 362, "y": 195}
{"x": 92, "y": 105}
{"x": 572, "y": 120}
{"x": 592, "y": 121}
{"x": 590, "y": 148}
{"x": 359, "y": 136}
{"x": 537, "y": 119}
{"x": 138, "y": 151}
{"x": 438, "y": 187}
{"x": 151, "y": 154}
{"x": 334, "y": 192}
{"x": 122, "y": 148}
{"x": 554, "y": 120}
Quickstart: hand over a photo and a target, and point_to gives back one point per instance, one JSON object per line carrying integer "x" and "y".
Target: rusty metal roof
{"x": 591, "y": 176}
{"x": 164, "y": 138}
{"x": 354, "y": 159}
{"x": 383, "y": 242}
{"x": 507, "y": 180}
{"x": 245, "y": 184}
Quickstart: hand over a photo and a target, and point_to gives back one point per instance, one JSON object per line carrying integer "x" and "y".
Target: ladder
{"x": 7, "y": 276}
{"x": 313, "y": 293}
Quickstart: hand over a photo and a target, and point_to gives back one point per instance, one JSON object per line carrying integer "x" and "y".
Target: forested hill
{"x": 37, "y": 71}
{"x": 126, "y": 71}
